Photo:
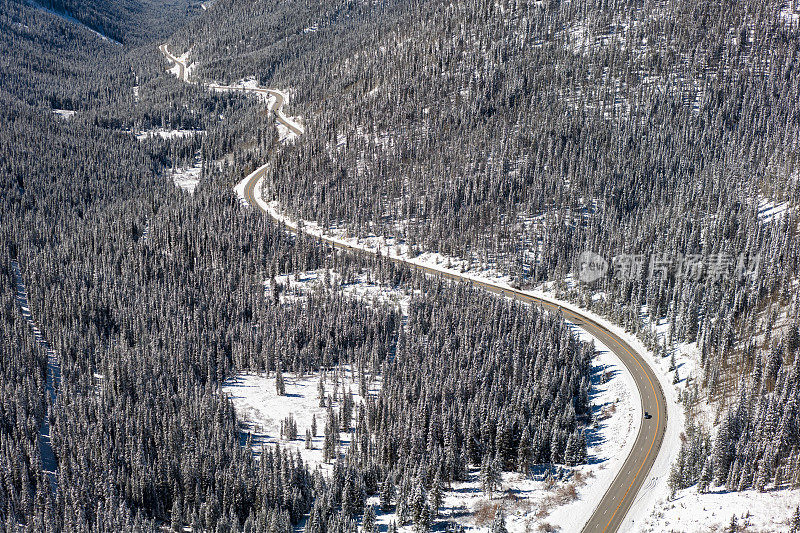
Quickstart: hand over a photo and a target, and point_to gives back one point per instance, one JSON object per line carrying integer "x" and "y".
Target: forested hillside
{"x": 659, "y": 135}
{"x": 150, "y": 298}
{"x": 120, "y": 22}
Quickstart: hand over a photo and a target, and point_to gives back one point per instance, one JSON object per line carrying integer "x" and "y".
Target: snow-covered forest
{"x": 517, "y": 135}
{"x": 509, "y": 137}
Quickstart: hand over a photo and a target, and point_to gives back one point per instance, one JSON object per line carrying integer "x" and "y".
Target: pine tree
{"x": 368, "y": 521}
{"x": 424, "y": 520}
{"x": 794, "y": 524}
{"x": 280, "y": 387}
{"x": 418, "y": 504}
{"x": 176, "y": 518}
{"x": 331, "y": 436}
{"x": 524, "y": 452}
{"x": 435, "y": 496}
{"x": 387, "y": 494}
{"x": 706, "y": 476}
{"x": 490, "y": 476}
{"x": 321, "y": 392}
{"x": 499, "y": 523}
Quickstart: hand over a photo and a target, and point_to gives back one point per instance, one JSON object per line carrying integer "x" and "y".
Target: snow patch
{"x": 66, "y": 114}
{"x": 692, "y": 512}
{"x": 261, "y": 410}
{"x": 296, "y": 287}
{"x": 187, "y": 178}
{"x": 167, "y": 134}
{"x": 769, "y": 211}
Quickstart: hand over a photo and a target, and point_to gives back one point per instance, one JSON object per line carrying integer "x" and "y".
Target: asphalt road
{"x": 620, "y": 495}
{"x": 610, "y": 513}
{"x": 276, "y": 107}
{"x": 181, "y": 66}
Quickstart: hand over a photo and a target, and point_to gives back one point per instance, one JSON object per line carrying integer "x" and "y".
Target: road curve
{"x": 277, "y": 104}
{"x": 182, "y": 72}
{"x": 618, "y": 498}
{"x": 610, "y": 513}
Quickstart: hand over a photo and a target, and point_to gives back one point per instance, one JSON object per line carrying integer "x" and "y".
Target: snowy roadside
{"x": 614, "y": 440}
{"x": 693, "y": 512}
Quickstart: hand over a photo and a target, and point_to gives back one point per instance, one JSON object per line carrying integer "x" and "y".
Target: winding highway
{"x": 610, "y": 513}
{"x": 276, "y": 106}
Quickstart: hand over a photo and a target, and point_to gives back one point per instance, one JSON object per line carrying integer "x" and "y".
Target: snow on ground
{"x": 692, "y": 512}
{"x": 187, "y": 178}
{"x": 296, "y": 287}
{"x": 175, "y": 70}
{"x": 248, "y": 86}
{"x": 655, "y": 487}
{"x": 261, "y": 410}
{"x": 528, "y": 502}
{"x": 270, "y": 98}
{"x": 613, "y": 440}
{"x": 769, "y": 211}
{"x": 167, "y": 134}
{"x": 53, "y": 380}
{"x": 619, "y": 416}
{"x": 179, "y": 62}
{"x": 790, "y": 13}
{"x": 285, "y": 135}
{"x": 556, "y": 497}
{"x": 66, "y": 114}
{"x": 294, "y": 121}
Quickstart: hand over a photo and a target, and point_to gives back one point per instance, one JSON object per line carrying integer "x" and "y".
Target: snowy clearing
{"x": 565, "y": 501}
{"x": 66, "y": 114}
{"x": 261, "y": 410}
{"x": 187, "y": 178}
{"x": 769, "y": 211}
{"x": 296, "y": 287}
{"x": 167, "y": 134}
{"x": 692, "y": 512}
